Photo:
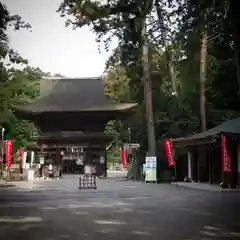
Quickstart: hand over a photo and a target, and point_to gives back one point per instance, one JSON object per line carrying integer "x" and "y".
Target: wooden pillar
{"x": 198, "y": 166}
{"x": 189, "y": 165}
{"x": 238, "y": 164}
{"x": 58, "y": 156}
{"x": 194, "y": 165}
{"x": 105, "y": 164}
{"x": 209, "y": 169}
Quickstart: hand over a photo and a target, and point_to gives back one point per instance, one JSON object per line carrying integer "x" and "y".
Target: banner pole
{"x": 175, "y": 167}
{"x": 222, "y": 167}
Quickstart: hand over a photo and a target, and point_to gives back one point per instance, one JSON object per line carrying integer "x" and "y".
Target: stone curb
{"x": 205, "y": 188}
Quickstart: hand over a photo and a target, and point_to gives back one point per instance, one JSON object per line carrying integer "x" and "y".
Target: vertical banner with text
{"x": 8, "y": 152}
{"x": 226, "y": 161}
{"x": 169, "y": 152}
{"x": 124, "y": 157}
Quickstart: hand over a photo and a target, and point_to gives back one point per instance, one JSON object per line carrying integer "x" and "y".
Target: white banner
{"x": 24, "y": 160}
{"x": 41, "y": 160}
{"x": 151, "y": 169}
{"x": 32, "y": 158}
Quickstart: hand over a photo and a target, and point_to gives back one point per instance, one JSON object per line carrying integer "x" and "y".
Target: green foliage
{"x": 15, "y": 21}
{"x": 177, "y": 116}
{"x": 21, "y": 86}
{"x": 16, "y": 86}
{"x": 180, "y": 31}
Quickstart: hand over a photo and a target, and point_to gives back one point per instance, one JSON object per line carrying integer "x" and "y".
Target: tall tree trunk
{"x": 147, "y": 83}
{"x": 233, "y": 13}
{"x": 202, "y": 82}
{"x": 203, "y": 73}
{"x": 171, "y": 68}
{"x": 237, "y": 62}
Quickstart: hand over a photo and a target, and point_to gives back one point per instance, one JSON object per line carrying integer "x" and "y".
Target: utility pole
{"x": 147, "y": 84}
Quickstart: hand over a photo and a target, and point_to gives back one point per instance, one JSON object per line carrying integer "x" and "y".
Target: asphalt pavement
{"x": 118, "y": 209}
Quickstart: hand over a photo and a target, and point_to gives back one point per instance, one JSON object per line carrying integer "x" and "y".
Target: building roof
{"x": 230, "y": 127}
{"x": 72, "y": 95}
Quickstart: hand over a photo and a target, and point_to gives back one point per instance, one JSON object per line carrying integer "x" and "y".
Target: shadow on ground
{"x": 106, "y": 230}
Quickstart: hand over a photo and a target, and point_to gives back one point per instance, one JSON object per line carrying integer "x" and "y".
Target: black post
{"x": 2, "y": 152}
{"x": 175, "y": 173}
{"x": 175, "y": 167}
{"x": 129, "y": 143}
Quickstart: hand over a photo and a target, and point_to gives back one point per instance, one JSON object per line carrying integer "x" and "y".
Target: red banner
{"x": 21, "y": 156}
{"x": 226, "y": 161}
{"x": 8, "y": 152}
{"x": 124, "y": 157}
{"x": 169, "y": 152}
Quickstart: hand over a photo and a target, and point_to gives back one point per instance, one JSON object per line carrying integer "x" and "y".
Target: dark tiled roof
{"x": 72, "y": 94}
{"x": 227, "y": 127}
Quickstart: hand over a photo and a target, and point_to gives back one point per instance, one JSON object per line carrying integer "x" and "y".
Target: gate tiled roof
{"x": 72, "y": 95}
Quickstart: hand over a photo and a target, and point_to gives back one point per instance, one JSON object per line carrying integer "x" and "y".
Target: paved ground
{"x": 55, "y": 210}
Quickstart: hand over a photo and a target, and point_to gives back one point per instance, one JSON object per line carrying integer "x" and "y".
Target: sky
{"x": 52, "y": 46}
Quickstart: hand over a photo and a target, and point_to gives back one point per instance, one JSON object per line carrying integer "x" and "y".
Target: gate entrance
{"x": 71, "y": 113}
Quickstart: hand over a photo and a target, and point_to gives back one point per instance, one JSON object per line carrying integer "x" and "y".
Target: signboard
{"x": 74, "y": 149}
{"x": 131, "y": 145}
{"x": 151, "y": 169}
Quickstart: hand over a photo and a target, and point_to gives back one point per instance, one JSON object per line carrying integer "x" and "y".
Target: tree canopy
{"x": 174, "y": 31}
{"x": 17, "y": 85}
